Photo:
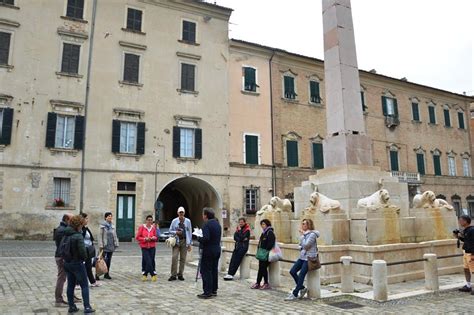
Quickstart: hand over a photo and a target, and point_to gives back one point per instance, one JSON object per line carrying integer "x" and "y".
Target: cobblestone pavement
{"x": 28, "y": 271}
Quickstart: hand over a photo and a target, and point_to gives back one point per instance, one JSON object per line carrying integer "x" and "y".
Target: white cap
{"x": 181, "y": 209}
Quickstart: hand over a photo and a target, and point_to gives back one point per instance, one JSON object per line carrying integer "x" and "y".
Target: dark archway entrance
{"x": 191, "y": 193}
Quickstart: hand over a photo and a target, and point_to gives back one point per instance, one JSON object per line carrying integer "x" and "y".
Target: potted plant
{"x": 58, "y": 202}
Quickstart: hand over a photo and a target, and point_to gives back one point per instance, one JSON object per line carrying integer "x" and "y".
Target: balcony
{"x": 405, "y": 177}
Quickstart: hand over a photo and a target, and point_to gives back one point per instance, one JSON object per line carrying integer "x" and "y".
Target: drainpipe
{"x": 271, "y": 126}
{"x": 86, "y": 103}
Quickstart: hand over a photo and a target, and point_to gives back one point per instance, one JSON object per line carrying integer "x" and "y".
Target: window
{"x": 466, "y": 170}
{"x": 447, "y": 118}
{"x": 394, "y": 161}
{"x": 461, "y": 120}
{"x": 420, "y": 163}
{"x": 134, "y": 20}
{"x": 188, "y": 77}
{"x": 250, "y": 79}
{"x": 128, "y": 137}
{"x": 362, "y": 100}
{"x": 10, "y": 2}
{"x": 457, "y": 204}
{"x": 437, "y": 165}
{"x": 251, "y": 195}
{"x": 289, "y": 87}
{"x": 251, "y": 149}
{"x": 65, "y": 132}
{"x": 131, "y": 68}
{"x": 70, "y": 61}
{"x": 451, "y": 166}
{"x": 187, "y": 143}
{"x": 292, "y": 153}
{"x": 126, "y": 186}
{"x": 432, "y": 114}
{"x": 415, "y": 112}
{"x": 4, "y": 47}
{"x": 389, "y": 106}
{"x": 62, "y": 189}
{"x": 318, "y": 156}
{"x": 470, "y": 205}
{"x": 75, "y": 9}
{"x": 6, "y": 121}
{"x": 314, "y": 92}
{"x": 189, "y": 32}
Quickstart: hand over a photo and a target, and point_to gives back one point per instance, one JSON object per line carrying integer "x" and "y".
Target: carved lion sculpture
{"x": 322, "y": 203}
{"x": 424, "y": 200}
{"x": 378, "y": 199}
{"x": 276, "y": 204}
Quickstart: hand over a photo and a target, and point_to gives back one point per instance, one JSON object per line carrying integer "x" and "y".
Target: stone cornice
{"x": 9, "y": 23}
{"x": 187, "y": 55}
{"x": 132, "y": 45}
{"x": 65, "y": 32}
{"x": 194, "y": 7}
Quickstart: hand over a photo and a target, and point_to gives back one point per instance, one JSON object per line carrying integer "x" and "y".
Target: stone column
{"x": 223, "y": 260}
{"x": 347, "y": 279}
{"x": 314, "y": 284}
{"x": 274, "y": 274}
{"x": 379, "y": 280}
{"x": 431, "y": 272}
{"x": 244, "y": 268}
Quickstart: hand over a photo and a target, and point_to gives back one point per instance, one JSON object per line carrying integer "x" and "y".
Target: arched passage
{"x": 193, "y": 194}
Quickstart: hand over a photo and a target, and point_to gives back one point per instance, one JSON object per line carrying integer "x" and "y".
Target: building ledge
{"x": 69, "y": 75}
{"x": 9, "y": 6}
{"x": 122, "y": 83}
{"x": 132, "y": 45}
{"x": 180, "y": 91}
{"x": 66, "y": 32}
{"x": 316, "y": 105}
{"x": 9, "y": 23}
{"x": 250, "y": 93}
{"x": 290, "y": 100}
{"x": 188, "y": 55}
{"x": 133, "y": 31}
{"x": 185, "y": 160}
{"x": 73, "y": 19}
{"x": 69, "y": 208}
{"x": 72, "y": 152}
{"x": 418, "y": 122}
{"x": 8, "y": 67}
{"x": 118, "y": 155}
{"x": 188, "y": 42}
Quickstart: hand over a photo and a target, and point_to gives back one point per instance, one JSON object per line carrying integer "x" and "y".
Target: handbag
{"x": 262, "y": 254}
{"x": 275, "y": 254}
{"x": 100, "y": 265}
{"x": 90, "y": 252}
{"x": 314, "y": 263}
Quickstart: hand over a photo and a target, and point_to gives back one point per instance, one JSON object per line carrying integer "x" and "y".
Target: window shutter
{"x": 461, "y": 120}
{"x": 7, "y": 126}
{"x": 362, "y": 100}
{"x": 384, "y": 106}
{"x": 51, "y": 130}
{"x": 251, "y": 150}
{"x": 79, "y": 133}
{"x": 176, "y": 142}
{"x": 431, "y": 112}
{"x": 141, "y": 138}
{"x": 447, "y": 120}
{"x": 250, "y": 79}
{"x": 394, "y": 161}
{"x": 415, "y": 112}
{"x": 420, "y": 161}
{"x": 292, "y": 153}
{"x": 198, "y": 143}
{"x": 395, "y": 107}
{"x": 131, "y": 68}
{"x": 115, "y": 136}
{"x": 318, "y": 156}
{"x": 4, "y": 47}
{"x": 437, "y": 165}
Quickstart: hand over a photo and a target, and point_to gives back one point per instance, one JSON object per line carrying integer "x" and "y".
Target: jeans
{"x": 148, "y": 261}
{"x": 76, "y": 274}
{"x": 302, "y": 267}
{"x": 180, "y": 250}
{"x": 209, "y": 272}
{"x": 237, "y": 256}
{"x": 108, "y": 260}
{"x": 263, "y": 271}
{"x": 58, "y": 293}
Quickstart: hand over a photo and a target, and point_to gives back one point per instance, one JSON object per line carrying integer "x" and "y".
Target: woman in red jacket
{"x": 146, "y": 237}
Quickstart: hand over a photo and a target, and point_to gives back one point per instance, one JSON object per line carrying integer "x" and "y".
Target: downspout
{"x": 271, "y": 126}
{"x": 86, "y": 103}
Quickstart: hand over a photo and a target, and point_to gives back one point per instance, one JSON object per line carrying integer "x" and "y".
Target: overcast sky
{"x": 427, "y": 41}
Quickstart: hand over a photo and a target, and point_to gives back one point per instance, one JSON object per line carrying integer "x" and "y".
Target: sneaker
{"x": 228, "y": 277}
{"x": 465, "y": 289}
{"x": 153, "y": 278}
{"x": 95, "y": 284}
{"x": 302, "y": 293}
{"x": 265, "y": 286}
{"x": 89, "y": 310}
{"x": 172, "y": 278}
{"x": 291, "y": 297}
{"x": 144, "y": 278}
{"x": 73, "y": 309}
{"x": 180, "y": 277}
{"x": 255, "y": 286}
{"x": 106, "y": 276}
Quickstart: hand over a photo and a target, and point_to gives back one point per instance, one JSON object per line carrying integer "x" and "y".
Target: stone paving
{"x": 27, "y": 277}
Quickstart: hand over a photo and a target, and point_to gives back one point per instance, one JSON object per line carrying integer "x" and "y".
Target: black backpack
{"x": 64, "y": 249}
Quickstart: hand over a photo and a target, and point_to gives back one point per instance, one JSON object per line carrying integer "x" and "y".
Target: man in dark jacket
{"x": 58, "y": 236}
{"x": 467, "y": 237}
{"x": 74, "y": 264}
{"x": 241, "y": 238}
{"x": 210, "y": 244}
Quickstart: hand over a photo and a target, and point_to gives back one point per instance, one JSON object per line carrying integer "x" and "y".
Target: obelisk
{"x": 346, "y": 142}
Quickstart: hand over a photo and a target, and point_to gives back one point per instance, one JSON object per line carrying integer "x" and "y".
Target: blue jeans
{"x": 76, "y": 274}
{"x": 302, "y": 267}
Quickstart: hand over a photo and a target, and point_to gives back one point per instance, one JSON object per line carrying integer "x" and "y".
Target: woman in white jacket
{"x": 308, "y": 248}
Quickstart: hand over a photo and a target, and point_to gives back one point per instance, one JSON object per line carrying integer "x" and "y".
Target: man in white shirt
{"x": 180, "y": 227}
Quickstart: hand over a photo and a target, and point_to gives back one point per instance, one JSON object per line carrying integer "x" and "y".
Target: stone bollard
{"x": 223, "y": 260}
{"x": 347, "y": 279}
{"x": 190, "y": 255}
{"x": 314, "y": 284}
{"x": 274, "y": 274}
{"x": 244, "y": 268}
{"x": 379, "y": 280}
{"x": 431, "y": 272}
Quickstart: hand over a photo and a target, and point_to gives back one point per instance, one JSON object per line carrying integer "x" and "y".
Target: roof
{"x": 364, "y": 71}
{"x": 213, "y": 5}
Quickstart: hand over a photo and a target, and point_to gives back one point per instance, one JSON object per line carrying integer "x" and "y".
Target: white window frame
{"x": 256, "y": 197}
{"x": 67, "y": 195}
{"x": 256, "y": 79}
{"x": 126, "y": 16}
{"x": 258, "y": 144}
{"x": 451, "y": 165}
{"x": 12, "y": 39}
{"x": 180, "y": 36}
{"x": 84, "y": 10}
{"x": 127, "y": 137}
{"x": 466, "y": 164}
{"x": 193, "y": 144}
{"x": 188, "y": 62}
{"x": 140, "y": 67}
{"x": 61, "y": 52}
{"x": 66, "y": 118}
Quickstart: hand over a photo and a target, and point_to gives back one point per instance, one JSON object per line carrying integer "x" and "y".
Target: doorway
{"x": 125, "y": 217}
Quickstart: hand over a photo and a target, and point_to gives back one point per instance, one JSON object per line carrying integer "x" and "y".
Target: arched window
{"x": 393, "y": 157}
{"x": 420, "y": 160}
{"x": 436, "y": 161}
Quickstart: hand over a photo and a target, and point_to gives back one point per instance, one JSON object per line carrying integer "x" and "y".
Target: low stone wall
{"x": 366, "y": 254}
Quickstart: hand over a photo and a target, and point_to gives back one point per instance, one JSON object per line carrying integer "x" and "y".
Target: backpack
{"x": 64, "y": 249}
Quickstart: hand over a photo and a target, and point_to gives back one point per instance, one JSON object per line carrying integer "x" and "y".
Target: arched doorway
{"x": 193, "y": 194}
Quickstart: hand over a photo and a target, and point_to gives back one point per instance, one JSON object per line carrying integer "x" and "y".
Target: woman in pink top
{"x": 146, "y": 237}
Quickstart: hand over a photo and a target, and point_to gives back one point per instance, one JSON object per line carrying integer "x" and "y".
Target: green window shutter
{"x": 437, "y": 165}
{"x": 420, "y": 162}
{"x": 289, "y": 83}
{"x": 415, "y": 111}
{"x": 395, "y": 107}
{"x": 318, "y": 156}
{"x": 176, "y": 142}
{"x": 115, "y": 136}
{"x": 292, "y": 153}
{"x": 461, "y": 120}
{"x": 79, "y": 133}
{"x": 394, "y": 161}
{"x": 362, "y": 101}
{"x": 384, "y": 106}
{"x": 251, "y": 150}
{"x": 198, "y": 143}
{"x": 447, "y": 118}
{"x": 431, "y": 112}
{"x": 250, "y": 82}
{"x": 314, "y": 92}
{"x": 141, "y": 138}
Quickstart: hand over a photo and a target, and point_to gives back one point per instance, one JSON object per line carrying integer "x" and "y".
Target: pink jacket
{"x": 143, "y": 233}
